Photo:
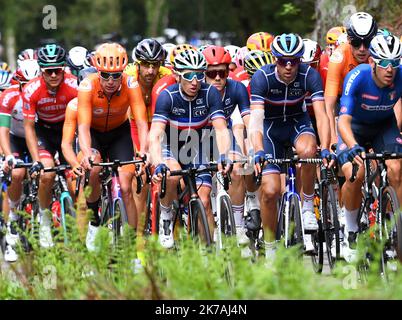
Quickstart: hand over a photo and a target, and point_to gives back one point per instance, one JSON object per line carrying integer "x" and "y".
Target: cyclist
{"x": 253, "y": 61}
{"x": 103, "y": 102}
{"x": 12, "y": 142}
{"x": 184, "y": 110}
{"x": 361, "y": 29}
{"x": 76, "y": 59}
{"x": 366, "y": 116}
{"x": 147, "y": 69}
{"x": 239, "y": 74}
{"x": 277, "y": 95}
{"x": 168, "y": 48}
{"x": 27, "y": 54}
{"x": 4, "y": 66}
{"x": 46, "y": 98}
{"x": 234, "y": 96}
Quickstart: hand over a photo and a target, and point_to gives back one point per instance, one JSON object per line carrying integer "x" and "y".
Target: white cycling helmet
{"x": 361, "y": 25}
{"x": 232, "y": 51}
{"x": 168, "y": 48}
{"x": 76, "y": 58}
{"x": 312, "y": 51}
{"x": 28, "y": 69}
{"x": 27, "y": 54}
{"x": 386, "y": 47}
{"x": 190, "y": 59}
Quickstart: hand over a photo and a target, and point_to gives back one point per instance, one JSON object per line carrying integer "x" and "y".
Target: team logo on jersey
{"x": 392, "y": 95}
{"x": 336, "y": 57}
{"x": 296, "y": 84}
{"x": 97, "y": 111}
{"x": 100, "y": 94}
{"x": 350, "y": 81}
{"x": 227, "y": 101}
{"x": 178, "y": 111}
{"x": 199, "y": 101}
{"x": 369, "y": 97}
{"x": 344, "y": 109}
{"x": 132, "y": 83}
{"x": 399, "y": 140}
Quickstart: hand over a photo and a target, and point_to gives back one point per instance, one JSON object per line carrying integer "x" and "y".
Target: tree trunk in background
{"x": 157, "y": 11}
{"x": 10, "y": 13}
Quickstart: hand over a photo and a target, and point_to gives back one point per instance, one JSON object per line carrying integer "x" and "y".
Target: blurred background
{"x": 29, "y": 24}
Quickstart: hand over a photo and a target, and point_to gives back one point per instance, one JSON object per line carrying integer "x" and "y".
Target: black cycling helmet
{"x": 51, "y": 55}
{"x": 149, "y": 50}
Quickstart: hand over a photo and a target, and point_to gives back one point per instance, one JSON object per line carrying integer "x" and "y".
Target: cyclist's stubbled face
{"x": 111, "y": 85}
{"x": 385, "y": 76}
{"x": 287, "y": 73}
{"x": 190, "y": 88}
{"x": 361, "y": 53}
{"x": 53, "y": 80}
{"x": 148, "y": 72}
{"x": 218, "y": 81}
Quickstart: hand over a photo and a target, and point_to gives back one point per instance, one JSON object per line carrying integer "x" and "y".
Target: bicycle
{"x": 113, "y": 213}
{"x": 189, "y": 209}
{"x": 379, "y": 213}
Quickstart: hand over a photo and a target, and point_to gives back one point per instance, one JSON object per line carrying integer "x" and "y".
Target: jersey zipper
{"x": 284, "y": 106}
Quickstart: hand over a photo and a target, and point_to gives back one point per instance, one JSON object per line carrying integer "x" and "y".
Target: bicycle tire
{"x": 317, "y": 258}
{"x": 119, "y": 218}
{"x": 199, "y": 222}
{"x": 67, "y": 210}
{"x": 296, "y": 237}
{"x": 148, "y": 221}
{"x": 388, "y": 225}
{"x": 228, "y": 225}
{"x": 331, "y": 225}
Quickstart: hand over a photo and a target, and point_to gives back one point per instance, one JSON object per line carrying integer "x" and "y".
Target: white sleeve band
{"x": 256, "y": 123}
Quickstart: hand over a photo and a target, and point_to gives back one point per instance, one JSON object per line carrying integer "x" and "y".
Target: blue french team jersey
{"x": 235, "y": 94}
{"x": 182, "y": 115}
{"x": 364, "y": 100}
{"x": 281, "y": 100}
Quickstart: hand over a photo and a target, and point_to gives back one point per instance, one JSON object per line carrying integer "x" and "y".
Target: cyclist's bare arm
{"x": 256, "y": 127}
{"x": 398, "y": 113}
{"x": 323, "y": 126}
{"x": 155, "y": 140}
{"x": 69, "y": 127}
{"x": 139, "y": 112}
{"x": 222, "y": 135}
{"x": 84, "y": 122}
{"x": 330, "y": 105}
{"x": 5, "y": 140}
{"x": 345, "y": 130}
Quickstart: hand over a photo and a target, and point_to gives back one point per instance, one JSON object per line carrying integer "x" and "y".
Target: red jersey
{"x": 49, "y": 107}
{"x": 241, "y": 75}
{"x": 11, "y": 110}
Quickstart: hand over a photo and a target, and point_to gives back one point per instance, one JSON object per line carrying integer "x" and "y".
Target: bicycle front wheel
{"x": 228, "y": 226}
{"x": 68, "y": 213}
{"x": 199, "y": 222}
{"x": 295, "y": 234}
{"x": 119, "y": 218}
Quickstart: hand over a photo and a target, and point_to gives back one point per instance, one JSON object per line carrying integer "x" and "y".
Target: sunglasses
{"x": 50, "y": 71}
{"x": 384, "y": 63}
{"x": 147, "y": 64}
{"x": 356, "y": 43}
{"x": 213, "y": 73}
{"x": 115, "y": 75}
{"x": 284, "y": 62}
{"x": 189, "y": 76}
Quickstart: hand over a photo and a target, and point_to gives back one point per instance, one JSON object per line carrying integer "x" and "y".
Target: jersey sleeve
{"x": 314, "y": 85}
{"x": 84, "y": 105}
{"x": 5, "y": 111}
{"x": 243, "y": 101}
{"x": 258, "y": 88}
{"x": 215, "y": 104}
{"x": 137, "y": 105}
{"x": 163, "y": 107}
{"x": 29, "y": 101}
{"x": 349, "y": 92}
{"x": 334, "y": 74}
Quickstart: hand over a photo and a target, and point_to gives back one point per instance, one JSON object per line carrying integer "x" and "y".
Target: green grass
{"x": 186, "y": 272}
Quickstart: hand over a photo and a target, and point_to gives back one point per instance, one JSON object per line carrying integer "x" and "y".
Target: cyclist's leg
{"x": 390, "y": 139}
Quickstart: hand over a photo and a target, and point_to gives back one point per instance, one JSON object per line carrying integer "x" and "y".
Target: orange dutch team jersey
{"x": 340, "y": 63}
{"x": 102, "y": 114}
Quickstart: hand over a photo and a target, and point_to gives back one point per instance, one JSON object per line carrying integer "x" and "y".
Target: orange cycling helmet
{"x": 334, "y": 33}
{"x": 179, "y": 48}
{"x": 110, "y": 57}
{"x": 260, "y": 41}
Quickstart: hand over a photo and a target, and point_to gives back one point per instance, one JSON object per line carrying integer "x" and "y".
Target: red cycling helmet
{"x": 216, "y": 55}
